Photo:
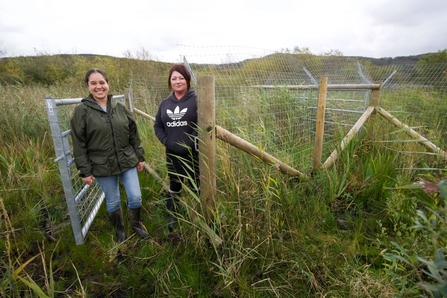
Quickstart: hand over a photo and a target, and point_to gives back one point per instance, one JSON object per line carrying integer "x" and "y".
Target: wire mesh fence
{"x": 270, "y": 99}
{"x": 418, "y": 95}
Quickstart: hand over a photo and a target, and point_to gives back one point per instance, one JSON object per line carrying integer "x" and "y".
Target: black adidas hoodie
{"x": 176, "y": 122}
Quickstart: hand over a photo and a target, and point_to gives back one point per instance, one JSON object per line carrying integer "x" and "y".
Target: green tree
{"x": 439, "y": 57}
{"x": 9, "y": 73}
{"x": 431, "y": 69}
{"x": 333, "y": 52}
{"x": 303, "y": 51}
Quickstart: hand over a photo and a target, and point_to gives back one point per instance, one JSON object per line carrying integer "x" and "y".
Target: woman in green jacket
{"x": 107, "y": 147}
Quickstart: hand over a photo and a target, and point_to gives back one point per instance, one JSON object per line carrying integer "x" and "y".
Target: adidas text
{"x": 176, "y": 123}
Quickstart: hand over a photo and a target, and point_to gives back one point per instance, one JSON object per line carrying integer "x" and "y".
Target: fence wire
{"x": 418, "y": 95}
{"x": 270, "y": 99}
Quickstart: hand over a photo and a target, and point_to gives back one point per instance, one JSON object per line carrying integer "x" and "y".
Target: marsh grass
{"x": 280, "y": 237}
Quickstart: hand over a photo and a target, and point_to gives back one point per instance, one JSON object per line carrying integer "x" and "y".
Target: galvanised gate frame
{"x": 83, "y": 201}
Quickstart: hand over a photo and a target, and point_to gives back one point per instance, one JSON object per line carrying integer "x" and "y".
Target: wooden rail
{"x": 141, "y": 113}
{"x": 411, "y": 132}
{"x": 349, "y": 136}
{"x": 247, "y": 147}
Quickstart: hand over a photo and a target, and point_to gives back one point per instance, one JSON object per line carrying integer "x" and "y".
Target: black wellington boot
{"x": 117, "y": 221}
{"x": 171, "y": 203}
{"x": 137, "y": 226}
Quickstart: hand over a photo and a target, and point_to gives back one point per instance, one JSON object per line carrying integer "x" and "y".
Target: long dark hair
{"x": 184, "y": 72}
{"x": 95, "y": 70}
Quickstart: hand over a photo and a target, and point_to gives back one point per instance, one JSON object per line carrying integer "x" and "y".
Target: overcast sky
{"x": 165, "y": 28}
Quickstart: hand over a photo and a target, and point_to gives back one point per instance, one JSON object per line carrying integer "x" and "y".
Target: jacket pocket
{"x": 130, "y": 159}
{"x": 100, "y": 166}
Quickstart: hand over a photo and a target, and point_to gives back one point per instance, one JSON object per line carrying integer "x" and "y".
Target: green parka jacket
{"x": 104, "y": 143}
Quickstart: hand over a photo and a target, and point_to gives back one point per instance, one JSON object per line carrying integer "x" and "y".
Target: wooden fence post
{"x": 375, "y": 97}
{"x": 373, "y": 102}
{"x": 207, "y": 144}
{"x": 319, "y": 132}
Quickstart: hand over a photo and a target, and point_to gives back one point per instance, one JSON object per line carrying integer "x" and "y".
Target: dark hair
{"x": 184, "y": 72}
{"x": 95, "y": 70}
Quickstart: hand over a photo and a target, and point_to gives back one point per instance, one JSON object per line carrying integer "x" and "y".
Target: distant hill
{"x": 385, "y": 61}
{"x": 401, "y": 60}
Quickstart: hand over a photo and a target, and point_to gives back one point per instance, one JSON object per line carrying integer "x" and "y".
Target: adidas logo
{"x": 176, "y": 115}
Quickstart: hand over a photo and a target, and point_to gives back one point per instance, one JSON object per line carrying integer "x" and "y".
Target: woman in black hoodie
{"x": 176, "y": 128}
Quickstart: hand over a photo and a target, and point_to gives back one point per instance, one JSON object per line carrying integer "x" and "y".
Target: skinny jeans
{"x": 110, "y": 187}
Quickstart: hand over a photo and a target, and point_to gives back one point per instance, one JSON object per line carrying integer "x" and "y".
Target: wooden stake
{"x": 319, "y": 130}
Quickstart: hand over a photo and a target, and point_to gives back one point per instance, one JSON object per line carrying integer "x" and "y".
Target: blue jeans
{"x": 110, "y": 187}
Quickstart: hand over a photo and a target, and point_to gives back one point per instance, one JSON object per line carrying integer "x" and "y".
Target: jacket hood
{"x": 92, "y": 103}
{"x": 185, "y": 97}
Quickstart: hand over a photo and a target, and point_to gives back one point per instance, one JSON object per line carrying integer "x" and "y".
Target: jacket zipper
{"x": 109, "y": 117}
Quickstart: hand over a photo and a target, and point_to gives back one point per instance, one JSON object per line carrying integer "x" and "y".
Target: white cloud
{"x": 374, "y": 29}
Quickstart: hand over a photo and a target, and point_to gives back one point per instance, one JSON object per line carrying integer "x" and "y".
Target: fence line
{"x": 207, "y": 128}
{"x": 275, "y": 105}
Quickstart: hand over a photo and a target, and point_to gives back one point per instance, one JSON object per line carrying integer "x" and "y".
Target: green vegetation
{"x": 362, "y": 228}
{"x": 439, "y": 57}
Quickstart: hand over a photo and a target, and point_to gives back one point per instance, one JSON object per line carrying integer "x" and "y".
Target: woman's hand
{"x": 88, "y": 180}
{"x": 140, "y": 166}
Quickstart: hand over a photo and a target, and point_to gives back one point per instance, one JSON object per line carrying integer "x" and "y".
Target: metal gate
{"x": 83, "y": 201}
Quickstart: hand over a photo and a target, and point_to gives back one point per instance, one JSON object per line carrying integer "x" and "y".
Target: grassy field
{"x": 350, "y": 231}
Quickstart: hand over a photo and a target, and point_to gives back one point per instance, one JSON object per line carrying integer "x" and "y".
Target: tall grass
{"x": 279, "y": 237}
